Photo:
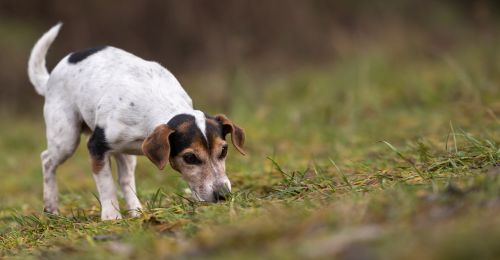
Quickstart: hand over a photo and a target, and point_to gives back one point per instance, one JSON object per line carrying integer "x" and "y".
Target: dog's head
{"x": 196, "y": 148}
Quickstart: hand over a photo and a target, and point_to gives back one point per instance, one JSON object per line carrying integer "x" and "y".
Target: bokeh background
{"x": 216, "y": 39}
{"x": 317, "y": 85}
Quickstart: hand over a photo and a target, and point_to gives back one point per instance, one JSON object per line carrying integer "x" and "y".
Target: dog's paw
{"x": 110, "y": 214}
{"x": 135, "y": 213}
{"x": 51, "y": 210}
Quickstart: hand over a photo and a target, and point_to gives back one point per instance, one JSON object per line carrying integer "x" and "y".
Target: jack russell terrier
{"x": 130, "y": 107}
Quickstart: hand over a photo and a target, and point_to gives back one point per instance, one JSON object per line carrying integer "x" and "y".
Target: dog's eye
{"x": 223, "y": 153}
{"x": 191, "y": 158}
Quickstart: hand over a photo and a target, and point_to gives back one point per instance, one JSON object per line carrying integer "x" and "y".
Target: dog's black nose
{"x": 219, "y": 196}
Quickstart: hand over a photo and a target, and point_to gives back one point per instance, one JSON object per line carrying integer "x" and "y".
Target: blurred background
{"x": 207, "y": 44}
{"x": 317, "y": 85}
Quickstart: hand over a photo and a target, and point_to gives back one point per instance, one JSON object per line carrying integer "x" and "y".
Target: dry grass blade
{"x": 405, "y": 159}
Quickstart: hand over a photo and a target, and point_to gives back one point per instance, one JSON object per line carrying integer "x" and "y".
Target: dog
{"x": 129, "y": 107}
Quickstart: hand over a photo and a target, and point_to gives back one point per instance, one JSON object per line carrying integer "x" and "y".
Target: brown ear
{"x": 157, "y": 146}
{"x": 237, "y": 134}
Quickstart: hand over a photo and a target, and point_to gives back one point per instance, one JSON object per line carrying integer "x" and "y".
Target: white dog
{"x": 131, "y": 107}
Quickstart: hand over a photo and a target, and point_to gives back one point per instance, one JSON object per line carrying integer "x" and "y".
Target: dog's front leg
{"x": 106, "y": 187}
{"x": 126, "y": 167}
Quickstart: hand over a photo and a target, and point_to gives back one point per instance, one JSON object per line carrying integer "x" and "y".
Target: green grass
{"x": 374, "y": 155}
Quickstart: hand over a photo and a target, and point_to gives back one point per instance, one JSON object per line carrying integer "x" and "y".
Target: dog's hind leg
{"x": 63, "y": 135}
{"x": 126, "y": 167}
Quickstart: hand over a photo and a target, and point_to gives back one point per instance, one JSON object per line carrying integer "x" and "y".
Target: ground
{"x": 379, "y": 154}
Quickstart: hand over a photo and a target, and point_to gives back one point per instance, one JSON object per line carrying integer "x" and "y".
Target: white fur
{"x": 126, "y": 167}
{"x": 123, "y": 94}
{"x": 107, "y": 193}
{"x": 36, "y": 67}
{"x": 201, "y": 122}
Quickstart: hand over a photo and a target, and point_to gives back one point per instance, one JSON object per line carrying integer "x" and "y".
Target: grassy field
{"x": 379, "y": 154}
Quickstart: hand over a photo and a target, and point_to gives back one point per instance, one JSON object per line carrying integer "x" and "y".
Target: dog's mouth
{"x": 214, "y": 198}
{"x": 196, "y": 196}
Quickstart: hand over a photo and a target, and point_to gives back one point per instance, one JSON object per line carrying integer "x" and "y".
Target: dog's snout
{"x": 219, "y": 196}
{"x": 221, "y": 192}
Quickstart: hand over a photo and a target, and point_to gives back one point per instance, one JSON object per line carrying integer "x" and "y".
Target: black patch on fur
{"x": 219, "y": 196}
{"x": 182, "y": 140}
{"x": 78, "y": 56}
{"x": 97, "y": 144}
{"x": 179, "y": 119}
{"x": 214, "y": 131}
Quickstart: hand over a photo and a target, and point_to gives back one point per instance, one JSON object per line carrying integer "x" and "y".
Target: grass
{"x": 372, "y": 156}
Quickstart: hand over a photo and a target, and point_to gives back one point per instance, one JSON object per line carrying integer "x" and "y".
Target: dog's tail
{"x": 37, "y": 71}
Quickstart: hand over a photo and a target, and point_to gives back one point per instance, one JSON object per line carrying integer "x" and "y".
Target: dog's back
{"x": 99, "y": 82}
{"x": 111, "y": 84}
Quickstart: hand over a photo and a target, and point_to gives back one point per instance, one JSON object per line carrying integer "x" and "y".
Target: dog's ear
{"x": 157, "y": 146}
{"x": 237, "y": 134}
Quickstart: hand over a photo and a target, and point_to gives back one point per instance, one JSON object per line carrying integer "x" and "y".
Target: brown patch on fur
{"x": 184, "y": 127}
{"x": 237, "y": 133}
{"x": 157, "y": 146}
{"x": 187, "y": 136}
{"x": 212, "y": 122}
{"x": 214, "y": 135}
{"x": 199, "y": 145}
{"x": 96, "y": 164}
{"x": 216, "y": 143}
